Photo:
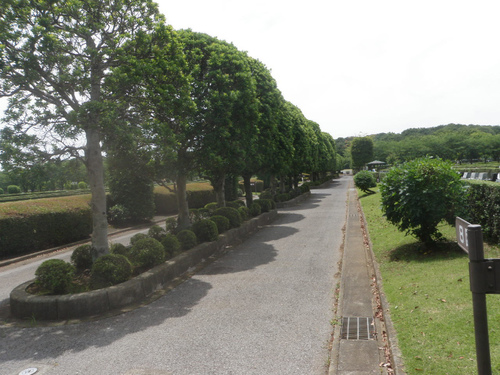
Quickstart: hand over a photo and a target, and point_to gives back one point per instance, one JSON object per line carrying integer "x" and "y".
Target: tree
{"x": 54, "y": 59}
{"x": 268, "y": 153}
{"x": 223, "y": 90}
{"x": 154, "y": 92}
{"x": 361, "y": 151}
{"x": 419, "y": 194}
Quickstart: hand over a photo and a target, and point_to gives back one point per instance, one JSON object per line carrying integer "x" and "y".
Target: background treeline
{"x": 455, "y": 142}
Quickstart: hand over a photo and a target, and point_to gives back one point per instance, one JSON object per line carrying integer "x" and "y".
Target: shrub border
{"x": 97, "y": 302}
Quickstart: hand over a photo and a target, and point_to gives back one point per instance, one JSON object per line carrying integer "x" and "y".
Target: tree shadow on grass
{"x": 420, "y": 252}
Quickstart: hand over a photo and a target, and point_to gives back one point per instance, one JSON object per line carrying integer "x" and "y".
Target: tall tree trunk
{"x": 182, "y": 202}
{"x": 95, "y": 170}
{"x": 218, "y": 184}
{"x": 248, "y": 189}
{"x": 273, "y": 184}
{"x": 282, "y": 184}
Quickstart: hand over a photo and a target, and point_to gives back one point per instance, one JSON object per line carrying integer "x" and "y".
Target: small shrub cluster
{"x": 146, "y": 253}
{"x": 81, "y": 257}
{"x": 205, "y": 230}
{"x": 255, "y": 209}
{"x": 110, "y": 269}
{"x": 231, "y": 213}
{"x": 54, "y": 276}
{"x": 171, "y": 245}
{"x": 187, "y": 239}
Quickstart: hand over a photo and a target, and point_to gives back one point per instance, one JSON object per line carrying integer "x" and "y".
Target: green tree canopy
{"x": 361, "y": 151}
{"x": 54, "y": 59}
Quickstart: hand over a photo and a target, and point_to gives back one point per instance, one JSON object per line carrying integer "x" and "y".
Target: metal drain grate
{"x": 356, "y": 328}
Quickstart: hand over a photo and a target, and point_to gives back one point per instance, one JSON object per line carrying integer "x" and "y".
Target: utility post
{"x": 482, "y": 281}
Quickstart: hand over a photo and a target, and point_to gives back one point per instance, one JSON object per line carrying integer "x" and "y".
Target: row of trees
{"x": 89, "y": 76}
{"x": 460, "y": 143}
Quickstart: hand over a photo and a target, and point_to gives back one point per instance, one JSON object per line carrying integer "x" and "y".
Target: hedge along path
{"x": 44, "y": 205}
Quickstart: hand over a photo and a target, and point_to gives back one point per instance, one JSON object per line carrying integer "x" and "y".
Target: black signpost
{"x": 482, "y": 281}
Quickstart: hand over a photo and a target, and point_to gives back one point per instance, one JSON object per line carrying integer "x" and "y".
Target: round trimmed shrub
{"x": 267, "y": 194}
{"x": 119, "y": 248}
{"x": 187, "y": 239}
{"x": 157, "y": 232}
{"x": 304, "y": 188}
{"x": 231, "y": 213}
{"x": 235, "y": 204}
{"x": 205, "y": 230}
{"x": 365, "y": 180}
{"x": 171, "y": 245}
{"x": 255, "y": 209}
{"x": 171, "y": 225}
{"x": 137, "y": 237}
{"x": 1, "y": 191}
{"x": 222, "y": 223}
{"x": 110, "y": 269}
{"x": 147, "y": 252}
{"x": 211, "y": 207}
{"x": 82, "y": 185}
{"x": 265, "y": 204}
{"x": 55, "y": 276}
{"x": 13, "y": 189}
{"x": 283, "y": 197}
{"x": 82, "y": 257}
{"x": 244, "y": 213}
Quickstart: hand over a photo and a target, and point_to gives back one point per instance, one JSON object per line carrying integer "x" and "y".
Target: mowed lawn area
{"x": 429, "y": 297}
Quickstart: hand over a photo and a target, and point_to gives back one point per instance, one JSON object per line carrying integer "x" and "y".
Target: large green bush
{"x": 146, "y": 253}
{"x": 110, "y": 269}
{"x": 54, "y": 276}
{"x": 419, "y": 194}
{"x": 205, "y": 230}
{"x": 365, "y": 180}
{"x": 231, "y": 213}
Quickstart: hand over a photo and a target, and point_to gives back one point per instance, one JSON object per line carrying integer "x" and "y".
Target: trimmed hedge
{"x": 483, "y": 208}
{"x": 231, "y": 213}
{"x": 26, "y": 234}
{"x": 166, "y": 202}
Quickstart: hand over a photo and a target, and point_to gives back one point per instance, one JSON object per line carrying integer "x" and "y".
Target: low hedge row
{"x": 30, "y": 226}
{"x": 26, "y": 234}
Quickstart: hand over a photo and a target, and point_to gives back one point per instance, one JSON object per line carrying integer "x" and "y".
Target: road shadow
{"x": 419, "y": 252}
{"x": 43, "y": 343}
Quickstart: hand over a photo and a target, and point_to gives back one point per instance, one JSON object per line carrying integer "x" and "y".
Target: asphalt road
{"x": 263, "y": 308}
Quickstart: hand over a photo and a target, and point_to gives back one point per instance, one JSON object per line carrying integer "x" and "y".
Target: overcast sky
{"x": 361, "y": 67}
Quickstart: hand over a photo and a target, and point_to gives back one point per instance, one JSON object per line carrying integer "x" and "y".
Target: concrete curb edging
{"x": 74, "y": 306}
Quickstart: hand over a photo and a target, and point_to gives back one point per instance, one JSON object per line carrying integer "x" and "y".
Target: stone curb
{"x": 75, "y": 306}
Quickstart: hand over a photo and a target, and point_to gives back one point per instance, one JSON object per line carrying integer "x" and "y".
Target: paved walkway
{"x": 265, "y": 307}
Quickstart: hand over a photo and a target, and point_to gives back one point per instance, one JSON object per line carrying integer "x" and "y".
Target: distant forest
{"x": 459, "y": 143}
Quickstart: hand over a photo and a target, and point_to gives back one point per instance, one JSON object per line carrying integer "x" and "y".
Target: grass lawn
{"x": 429, "y": 298}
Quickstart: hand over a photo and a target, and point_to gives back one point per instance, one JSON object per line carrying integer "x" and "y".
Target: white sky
{"x": 361, "y": 67}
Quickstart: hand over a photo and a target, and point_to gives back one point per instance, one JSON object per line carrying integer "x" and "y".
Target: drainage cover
{"x": 29, "y": 371}
{"x": 356, "y": 328}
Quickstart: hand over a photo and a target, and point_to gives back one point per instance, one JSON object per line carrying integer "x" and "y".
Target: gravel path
{"x": 263, "y": 308}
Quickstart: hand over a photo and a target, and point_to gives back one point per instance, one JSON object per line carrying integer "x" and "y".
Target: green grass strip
{"x": 429, "y": 297}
